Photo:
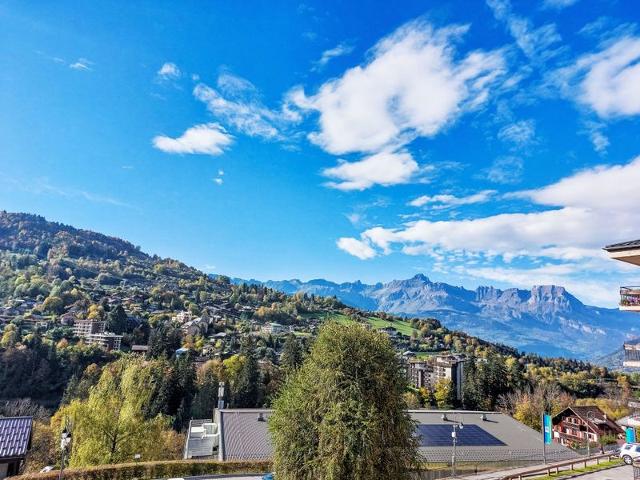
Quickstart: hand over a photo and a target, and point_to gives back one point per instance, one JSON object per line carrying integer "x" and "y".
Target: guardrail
{"x": 556, "y": 467}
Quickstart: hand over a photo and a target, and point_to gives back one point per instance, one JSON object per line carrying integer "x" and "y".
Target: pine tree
{"x": 247, "y": 386}
{"x": 117, "y": 320}
{"x": 292, "y": 354}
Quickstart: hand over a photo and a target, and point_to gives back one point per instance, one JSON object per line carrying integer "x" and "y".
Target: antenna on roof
{"x": 260, "y": 417}
{"x": 444, "y": 417}
{"x": 483, "y": 417}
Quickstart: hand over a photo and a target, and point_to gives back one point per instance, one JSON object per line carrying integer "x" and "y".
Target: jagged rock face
{"x": 546, "y": 319}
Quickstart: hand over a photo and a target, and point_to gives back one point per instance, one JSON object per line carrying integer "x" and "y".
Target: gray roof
{"x": 631, "y": 245}
{"x": 244, "y": 436}
{"x": 15, "y": 436}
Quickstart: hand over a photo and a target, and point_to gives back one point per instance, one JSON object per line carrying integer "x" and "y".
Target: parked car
{"x": 629, "y": 452}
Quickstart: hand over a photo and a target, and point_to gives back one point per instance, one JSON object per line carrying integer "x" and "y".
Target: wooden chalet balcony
{"x": 630, "y": 299}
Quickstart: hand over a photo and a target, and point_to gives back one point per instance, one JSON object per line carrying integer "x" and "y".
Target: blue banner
{"x": 547, "y": 429}
{"x": 631, "y": 435}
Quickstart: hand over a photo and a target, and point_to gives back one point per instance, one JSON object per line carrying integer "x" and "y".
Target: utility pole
{"x": 65, "y": 441}
{"x": 454, "y": 435}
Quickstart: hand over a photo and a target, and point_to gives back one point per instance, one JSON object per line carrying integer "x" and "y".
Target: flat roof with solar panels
{"x": 484, "y": 437}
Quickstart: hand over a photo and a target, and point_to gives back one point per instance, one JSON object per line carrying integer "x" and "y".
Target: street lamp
{"x": 65, "y": 441}
{"x": 590, "y": 418}
{"x": 454, "y": 437}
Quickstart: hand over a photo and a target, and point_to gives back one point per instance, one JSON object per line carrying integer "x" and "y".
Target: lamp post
{"x": 590, "y": 418}
{"x": 65, "y": 441}
{"x": 454, "y": 437}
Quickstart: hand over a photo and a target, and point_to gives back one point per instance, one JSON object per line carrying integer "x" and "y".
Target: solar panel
{"x": 439, "y": 435}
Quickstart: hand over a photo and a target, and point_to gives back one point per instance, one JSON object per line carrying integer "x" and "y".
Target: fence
{"x": 557, "y": 467}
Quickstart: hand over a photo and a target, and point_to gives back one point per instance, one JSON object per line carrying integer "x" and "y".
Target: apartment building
{"x": 426, "y": 372}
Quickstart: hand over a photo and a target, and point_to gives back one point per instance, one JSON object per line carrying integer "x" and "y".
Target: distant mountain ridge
{"x": 546, "y": 319}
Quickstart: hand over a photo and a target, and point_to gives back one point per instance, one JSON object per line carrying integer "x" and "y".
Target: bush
{"x": 150, "y": 470}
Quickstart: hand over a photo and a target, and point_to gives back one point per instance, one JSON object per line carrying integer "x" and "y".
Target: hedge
{"x": 151, "y": 470}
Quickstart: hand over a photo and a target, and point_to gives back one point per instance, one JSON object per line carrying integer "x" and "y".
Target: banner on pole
{"x": 631, "y": 435}
{"x": 547, "y": 429}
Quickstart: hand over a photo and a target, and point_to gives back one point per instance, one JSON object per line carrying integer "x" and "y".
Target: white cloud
{"x": 413, "y": 85}
{"x": 595, "y": 132}
{"x": 218, "y": 181}
{"x": 558, "y": 4}
{"x": 505, "y": 170}
{"x": 445, "y": 200}
{"x": 357, "y": 248}
{"x": 208, "y": 138}
{"x": 384, "y": 168}
{"x": 328, "y": 55}
{"x": 236, "y": 102}
{"x": 81, "y": 64}
{"x": 585, "y": 211}
{"x": 169, "y": 71}
{"x": 607, "y": 81}
{"x": 519, "y": 133}
{"x": 538, "y": 44}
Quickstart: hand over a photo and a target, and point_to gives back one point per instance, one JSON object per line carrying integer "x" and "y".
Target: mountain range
{"x": 547, "y": 319}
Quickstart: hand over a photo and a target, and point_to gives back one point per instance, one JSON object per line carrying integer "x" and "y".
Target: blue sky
{"x": 478, "y": 143}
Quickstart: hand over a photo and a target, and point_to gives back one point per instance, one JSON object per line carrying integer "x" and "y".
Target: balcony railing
{"x": 630, "y": 297}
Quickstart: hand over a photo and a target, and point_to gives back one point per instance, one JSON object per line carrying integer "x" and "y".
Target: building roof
{"x": 599, "y": 417}
{"x": 490, "y": 437}
{"x": 15, "y": 436}
{"x": 615, "y": 247}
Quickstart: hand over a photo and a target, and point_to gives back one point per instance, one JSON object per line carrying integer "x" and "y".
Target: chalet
{"x": 15, "y": 441}
{"x": 274, "y": 328}
{"x": 574, "y": 425}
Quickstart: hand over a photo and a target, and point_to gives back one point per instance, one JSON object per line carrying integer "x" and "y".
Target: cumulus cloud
{"x": 577, "y": 216}
{"x": 384, "y": 168}
{"x": 413, "y": 85}
{"x": 328, "y": 55}
{"x": 169, "y": 71}
{"x": 357, "y": 248}
{"x": 606, "y": 81}
{"x": 208, "y": 138}
{"x": 446, "y": 200}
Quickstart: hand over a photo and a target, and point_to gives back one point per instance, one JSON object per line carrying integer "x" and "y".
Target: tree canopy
{"x": 342, "y": 415}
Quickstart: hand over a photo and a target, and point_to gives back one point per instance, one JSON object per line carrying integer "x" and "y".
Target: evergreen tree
{"x": 247, "y": 386}
{"x": 342, "y": 415}
{"x": 292, "y": 354}
{"x": 117, "y": 320}
{"x": 470, "y": 392}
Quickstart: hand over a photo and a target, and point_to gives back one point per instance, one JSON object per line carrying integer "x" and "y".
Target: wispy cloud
{"x": 236, "y": 102}
{"x": 328, "y": 55}
{"x": 81, "y": 64}
{"x": 42, "y": 186}
{"x": 519, "y": 133}
{"x": 208, "y": 138}
{"x": 447, "y": 200}
{"x": 558, "y": 4}
{"x": 505, "y": 170}
{"x": 539, "y": 44}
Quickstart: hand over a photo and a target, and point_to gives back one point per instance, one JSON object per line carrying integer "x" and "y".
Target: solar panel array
{"x": 439, "y": 435}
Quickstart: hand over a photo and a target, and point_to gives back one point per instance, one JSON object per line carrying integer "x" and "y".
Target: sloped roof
{"x": 631, "y": 245}
{"x": 15, "y": 433}
{"x": 244, "y": 436}
{"x": 599, "y": 417}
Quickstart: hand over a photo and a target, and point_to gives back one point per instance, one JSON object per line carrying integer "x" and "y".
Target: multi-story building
{"x": 84, "y": 328}
{"x": 107, "y": 340}
{"x": 628, "y": 252}
{"x": 274, "y": 328}
{"x": 426, "y": 372}
{"x": 576, "y": 425}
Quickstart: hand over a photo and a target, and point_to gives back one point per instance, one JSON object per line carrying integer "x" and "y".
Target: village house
{"x": 574, "y": 425}
{"x": 15, "y": 442}
{"x": 274, "y": 328}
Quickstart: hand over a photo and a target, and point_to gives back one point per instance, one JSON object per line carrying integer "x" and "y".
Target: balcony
{"x": 630, "y": 299}
{"x": 631, "y": 355}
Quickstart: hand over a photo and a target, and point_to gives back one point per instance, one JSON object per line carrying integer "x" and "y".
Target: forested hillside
{"x": 197, "y": 331}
